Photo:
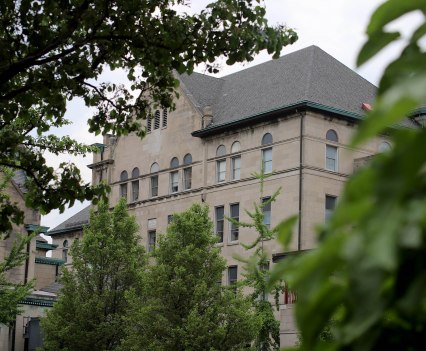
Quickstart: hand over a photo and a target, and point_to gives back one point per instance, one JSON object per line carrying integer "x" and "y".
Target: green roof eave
{"x": 36, "y": 228}
{"x": 50, "y": 260}
{"x": 66, "y": 230}
{"x": 37, "y": 302}
{"x": 47, "y": 246}
{"x": 302, "y": 105}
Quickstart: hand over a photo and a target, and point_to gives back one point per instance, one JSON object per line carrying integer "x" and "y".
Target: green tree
{"x": 369, "y": 271}
{"x": 107, "y": 263}
{"x": 184, "y": 307}
{"x": 10, "y": 293}
{"x": 257, "y": 270}
{"x": 53, "y": 51}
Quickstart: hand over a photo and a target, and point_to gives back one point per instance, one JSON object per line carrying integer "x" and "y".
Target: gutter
{"x": 302, "y": 105}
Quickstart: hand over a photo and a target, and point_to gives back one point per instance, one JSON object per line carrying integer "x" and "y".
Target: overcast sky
{"x": 336, "y": 26}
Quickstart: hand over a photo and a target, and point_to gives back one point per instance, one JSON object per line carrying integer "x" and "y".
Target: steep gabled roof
{"x": 308, "y": 75}
{"x": 73, "y": 223}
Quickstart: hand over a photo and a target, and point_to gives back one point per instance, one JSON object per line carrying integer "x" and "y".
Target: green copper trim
{"x": 50, "y": 260}
{"x": 36, "y": 228}
{"x": 37, "y": 302}
{"x": 47, "y": 246}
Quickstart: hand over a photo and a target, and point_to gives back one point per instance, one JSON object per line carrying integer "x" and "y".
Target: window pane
{"x": 152, "y": 238}
{"x": 330, "y": 204}
{"x": 236, "y": 166}
{"x": 221, "y": 170}
{"x": 123, "y": 190}
{"x": 135, "y": 190}
{"x": 123, "y": 175}
{"x": 267, "y": 139}
{"x": 187, "y": 160}
{"x": 154, "y": 186}
{"x": 232, "y": 275}
{"x": 187, "y": 178}
{"x": 331, "y": 158}
{"x": 174, "y": 162}
{"x": 266, "y": 213}
{"x": 220, "y": 151}
{"x": 174, "y": 182}
{"x": 267, "y": 160}
{"x": 234, "y": 214}
{"x": 331, "y": 135}
{"x": 219, "y": 222}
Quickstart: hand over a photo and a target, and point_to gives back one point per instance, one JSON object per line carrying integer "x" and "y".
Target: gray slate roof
{"x": 77, "y": 221}
{"x": 309, "y": 74}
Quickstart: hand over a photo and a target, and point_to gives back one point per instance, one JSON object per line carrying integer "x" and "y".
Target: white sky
{"x": 336, "y": 26}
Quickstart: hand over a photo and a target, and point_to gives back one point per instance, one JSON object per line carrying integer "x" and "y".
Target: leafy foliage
{"x": 369, "y": 270}
{"x": 54, "y": 51}
{"x": 257, "y": 272}
{"x": 10, "y": 293}
{"x": 184, "y": 306}
{"x": 107, "y": 263}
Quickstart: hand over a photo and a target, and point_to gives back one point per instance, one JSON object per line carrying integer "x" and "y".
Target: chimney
{"x": 207, "y": 116}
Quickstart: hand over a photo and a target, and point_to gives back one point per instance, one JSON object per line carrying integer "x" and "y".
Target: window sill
{"x": 232, "y": 243}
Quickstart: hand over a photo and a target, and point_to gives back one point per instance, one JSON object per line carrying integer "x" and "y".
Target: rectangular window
{"x": 220, "y": 170}
{"x": 174, "y": 182}
{"x": 154, "y": 186}
{"x": 235, "y": 215}
{"x": 65, "y": 255}
{"x": 152, "y": 238}
{"x": 331, "y": 158}
{"x": 236, "y": 167}
{"x": 266, "y": 210}
{"x": 187, "y": 178}
{"x": 123, "y": 190}
{"x": 330, "y": 204}
{"x": 135, "y": 190}
{"x": 219, "y": 216}
{"x": 267, "y": 160}
{"x": 169, "y": 219}
{"x": 232, "y": 275}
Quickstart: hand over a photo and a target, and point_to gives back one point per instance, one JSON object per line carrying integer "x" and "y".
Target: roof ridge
{"x": 311, "y": 68}
{"x": 270, "y": 61}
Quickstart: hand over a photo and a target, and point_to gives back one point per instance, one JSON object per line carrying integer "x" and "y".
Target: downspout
{"x": 27, "y": 261}
{"x": 299, "y": 234}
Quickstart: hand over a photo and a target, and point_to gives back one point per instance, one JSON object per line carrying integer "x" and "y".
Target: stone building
{"x": 24, "y": 333}
{"x": 293, "y": 116}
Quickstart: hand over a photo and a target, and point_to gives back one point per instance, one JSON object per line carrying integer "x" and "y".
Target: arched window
{"x": 123, "y": 176}
{"x": 157, "y": 119}
{"x": 174, "y": 163}
{"x": 236, "y": 161}
{"x": 332, "y": 135}
{"x": 187, "y": 160}
{"x": 135, "y": 172}
{"x": 155, "y": 167}
{"x": 236, "y": 147}
{"x": 384, "y": 146}
{"x": 220, "y": 151}
{"x": 65, "y": 243}
{"x": 187, "y": 172}
{"x": 154, "y": 179}
{"x": 135, "y": 184}
{"x": 123, "y": 187}
{"x": 267, "y": 139}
